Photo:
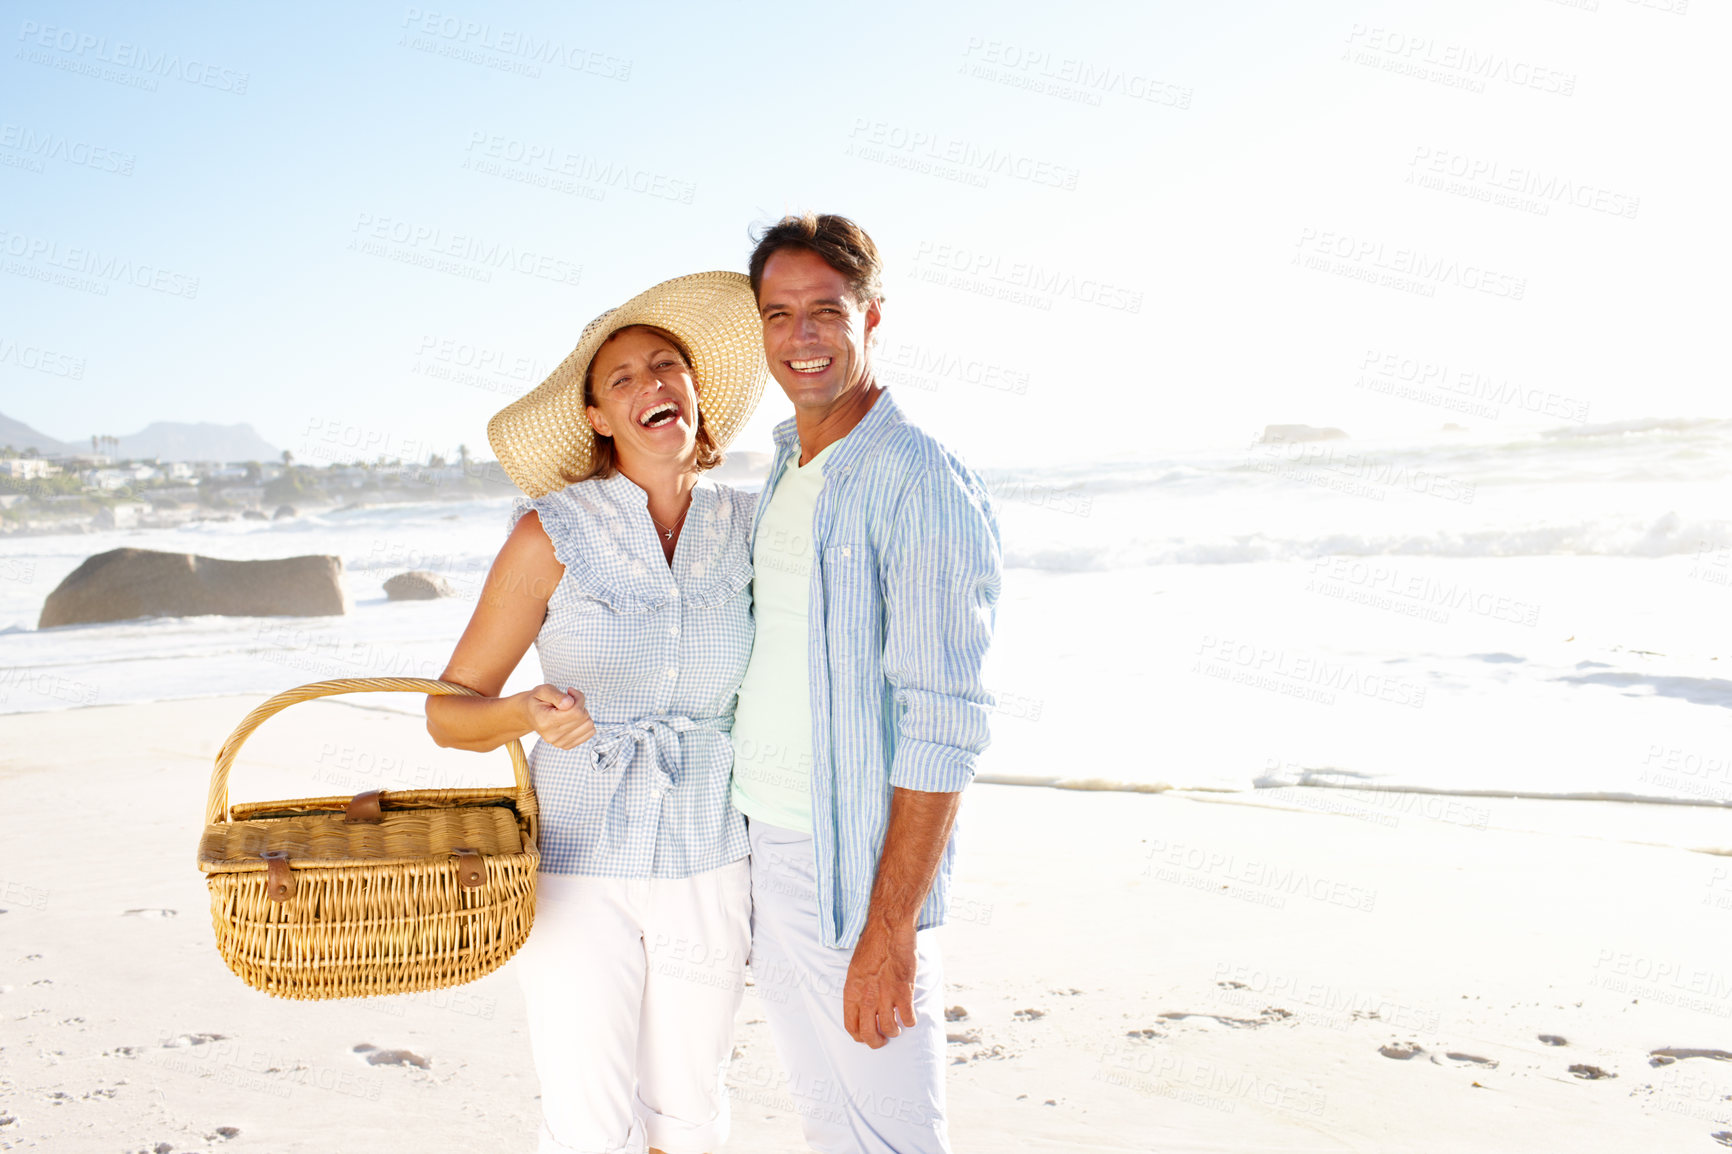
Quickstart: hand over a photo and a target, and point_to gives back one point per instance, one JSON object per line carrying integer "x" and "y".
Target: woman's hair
{"x": 602, "y": 463}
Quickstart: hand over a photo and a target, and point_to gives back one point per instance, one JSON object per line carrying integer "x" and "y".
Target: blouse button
{"x": 673, "y": 672}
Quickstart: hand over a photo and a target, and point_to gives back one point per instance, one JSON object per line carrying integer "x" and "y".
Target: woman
{"x": 635, "y": 585}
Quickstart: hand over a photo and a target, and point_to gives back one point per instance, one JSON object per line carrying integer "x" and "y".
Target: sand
{"x": 1306, "y": 970}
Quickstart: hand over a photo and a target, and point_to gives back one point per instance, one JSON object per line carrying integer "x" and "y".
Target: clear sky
{"x": 1107, "y": 228}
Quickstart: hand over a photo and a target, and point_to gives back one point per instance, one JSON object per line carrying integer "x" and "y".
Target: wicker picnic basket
{"x": 380, "y": 893}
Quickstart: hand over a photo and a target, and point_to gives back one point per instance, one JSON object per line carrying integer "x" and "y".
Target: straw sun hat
{"x": 544, "y": 440}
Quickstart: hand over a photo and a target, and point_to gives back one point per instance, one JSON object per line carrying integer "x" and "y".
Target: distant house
{"x": 119, "y": 475}
{"x": 121, "y": 514}
{"x": 26, "y": 468}
{"x": 108, "y": 480}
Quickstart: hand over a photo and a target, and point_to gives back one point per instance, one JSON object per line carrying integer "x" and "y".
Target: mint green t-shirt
{"x": 773, "y": 721}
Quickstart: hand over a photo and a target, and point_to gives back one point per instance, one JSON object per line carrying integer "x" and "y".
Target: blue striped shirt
{"x": 905, "y": 582}
{"x": 658, "y": 654}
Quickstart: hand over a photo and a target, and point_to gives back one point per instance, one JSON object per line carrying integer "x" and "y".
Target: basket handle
{"x": 217, "y": 807}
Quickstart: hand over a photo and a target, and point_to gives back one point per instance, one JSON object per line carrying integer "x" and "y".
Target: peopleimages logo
{"x": 1522, "y": 184}
{"x": 1399, "y": 51}
{"x": 42, "y": 146}
{"x": 1372, "y": 257}
{"x": 463, "y": 253}
{"x": 86, "y": 48}
{"x": 98, "y": 264}
{"x": 40, "y": 360}
{"x": 1028, "y": 278}
{"x": 463, "y": 38}
{"x": 869, "y": 137}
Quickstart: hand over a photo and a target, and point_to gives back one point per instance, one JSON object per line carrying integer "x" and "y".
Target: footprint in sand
{"x": 1468, "y": 1059}
{"x": 1553, "y": 1040}
{"x": 1589, "y": 1073}
{"x": 966, "y": 1038}
{"x": 1029, "y": 1015}
{"x": 1401, "y": 1051}
{"x": 397, "y": 1058}
{"x": 955, "y": 1014}
{"x": 1264, "y": 1016}
{"x": 986, "y": 1055}
{"x": 1670, "y": 1054}
{"x": 182, "y": 1040}
{"x": 1724, "y": 1137}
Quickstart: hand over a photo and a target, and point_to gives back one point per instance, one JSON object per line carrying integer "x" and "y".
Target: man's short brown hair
{"x": 842, "y": 244}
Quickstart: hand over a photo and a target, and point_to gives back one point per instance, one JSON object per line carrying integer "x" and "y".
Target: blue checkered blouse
{"x": 659, "y": 654}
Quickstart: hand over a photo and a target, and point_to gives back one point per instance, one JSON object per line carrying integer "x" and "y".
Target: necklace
{"x": 667, "y": 533}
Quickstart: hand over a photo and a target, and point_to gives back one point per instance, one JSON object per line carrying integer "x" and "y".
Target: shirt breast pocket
{"x": 853, "y": 610}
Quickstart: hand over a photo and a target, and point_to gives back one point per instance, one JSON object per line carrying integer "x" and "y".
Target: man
{"x": 876, "y": 573}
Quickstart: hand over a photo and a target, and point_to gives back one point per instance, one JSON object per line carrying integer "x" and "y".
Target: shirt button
{"x": 847, "y": 552}
{"x": 673, "y": 631}
{"x": 673, "y": 672}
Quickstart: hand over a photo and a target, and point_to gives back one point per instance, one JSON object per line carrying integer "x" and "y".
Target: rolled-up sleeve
{"x": 941, "y": 578}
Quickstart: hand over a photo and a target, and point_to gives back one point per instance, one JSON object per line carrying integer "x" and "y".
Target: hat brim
{"x": 543, "y": 439}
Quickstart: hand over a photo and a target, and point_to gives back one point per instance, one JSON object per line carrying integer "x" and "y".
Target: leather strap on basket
{"x": 217, "y": 804}
{"x": 471, "y": 869}
{"x": 363, "y": 808}
{"x": 279, "y": 878}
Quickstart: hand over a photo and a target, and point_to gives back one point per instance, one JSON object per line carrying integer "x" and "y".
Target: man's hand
{"x": 558, "y": 716}
{"x": 880, "y": 985}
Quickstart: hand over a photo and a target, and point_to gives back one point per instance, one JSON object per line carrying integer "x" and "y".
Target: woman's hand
{"x": 558, "y": 716}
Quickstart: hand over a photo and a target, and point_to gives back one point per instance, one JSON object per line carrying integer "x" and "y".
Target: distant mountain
{"x": 170, "y": 440}
{"x": 21, "y": 436}
{"x": 177, "y": 441}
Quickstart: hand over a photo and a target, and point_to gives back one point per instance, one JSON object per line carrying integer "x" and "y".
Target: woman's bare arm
{"x": 507, "y": 617}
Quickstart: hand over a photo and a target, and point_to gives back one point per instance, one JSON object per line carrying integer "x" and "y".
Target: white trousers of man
{"x": 631, "y": 987}
{"x": 852, "y": 1099}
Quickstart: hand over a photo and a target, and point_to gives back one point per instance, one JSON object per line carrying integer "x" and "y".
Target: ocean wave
{"x": 1719, "y": 425}
{"x": 1668, "y": 535}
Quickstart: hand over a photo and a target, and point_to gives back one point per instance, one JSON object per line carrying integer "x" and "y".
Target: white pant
{"x": 632, "y": 986}
{"x": 852, "y": 1099}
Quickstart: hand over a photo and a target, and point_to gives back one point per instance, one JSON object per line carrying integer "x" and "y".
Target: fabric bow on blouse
{"x": 658, "y": 653}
